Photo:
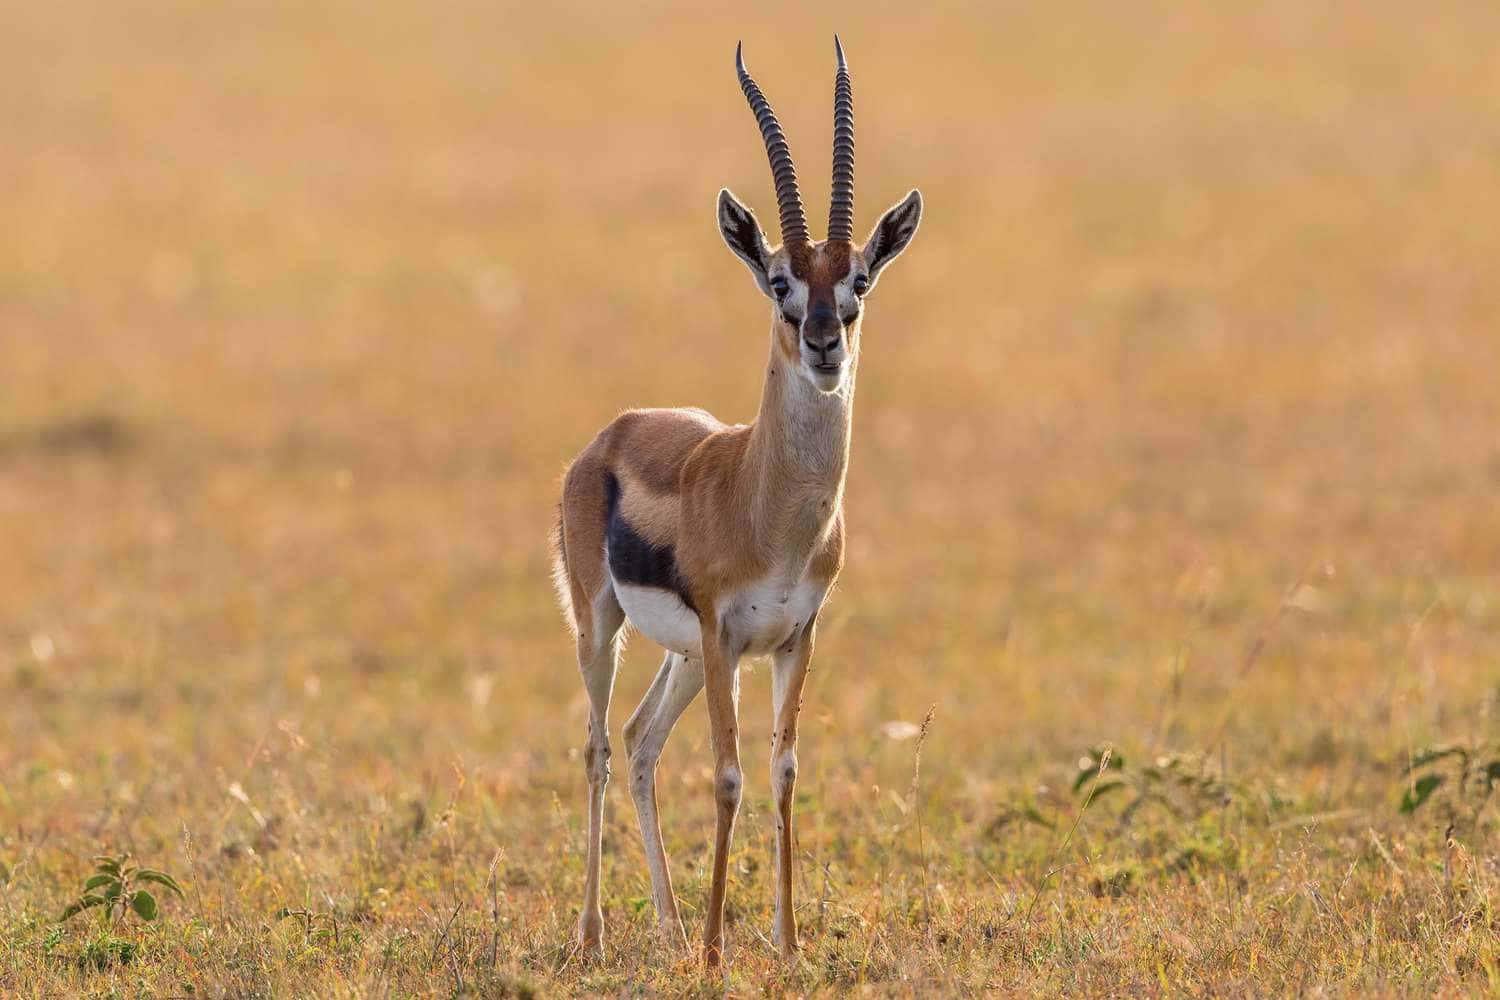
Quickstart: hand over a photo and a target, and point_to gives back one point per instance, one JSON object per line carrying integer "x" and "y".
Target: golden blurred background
{"x": 1176, "y": 426}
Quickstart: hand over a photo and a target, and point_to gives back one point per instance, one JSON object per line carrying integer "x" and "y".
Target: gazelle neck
{"x": 798, "y": 453}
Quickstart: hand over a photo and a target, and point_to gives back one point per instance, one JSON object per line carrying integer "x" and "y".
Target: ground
{"x": 1175, "y": 437}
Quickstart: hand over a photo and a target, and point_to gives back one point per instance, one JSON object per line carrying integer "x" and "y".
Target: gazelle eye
{"x": 780, "y": 286}
{"x": 861, "y": 285}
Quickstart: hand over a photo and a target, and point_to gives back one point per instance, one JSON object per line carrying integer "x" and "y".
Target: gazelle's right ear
{"x": 738, "y": 226}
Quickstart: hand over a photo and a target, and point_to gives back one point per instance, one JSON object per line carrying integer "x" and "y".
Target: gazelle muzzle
{"x": 823, "y": 337}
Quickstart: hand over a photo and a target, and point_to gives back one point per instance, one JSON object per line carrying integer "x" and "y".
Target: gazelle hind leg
{"x": 597, "y": 655}
{"x": 677, "y": 683}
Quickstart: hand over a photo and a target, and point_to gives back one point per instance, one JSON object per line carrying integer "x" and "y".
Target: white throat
{"x": 801, "y": 450}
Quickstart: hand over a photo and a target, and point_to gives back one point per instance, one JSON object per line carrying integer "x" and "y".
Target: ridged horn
{"x": 841, "y": 203}
{"x": 788, "y": 200}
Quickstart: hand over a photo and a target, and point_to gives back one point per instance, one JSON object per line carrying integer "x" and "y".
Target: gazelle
{"x": 720, "y": 542}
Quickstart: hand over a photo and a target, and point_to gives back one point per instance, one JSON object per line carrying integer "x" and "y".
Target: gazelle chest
{"x": 767, "y": 613}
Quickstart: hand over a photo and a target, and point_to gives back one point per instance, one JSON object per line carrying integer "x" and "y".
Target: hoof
{"x": 785, "y": 939}
{"x": 590, "y": 941}
{"x": 672, "y": 934}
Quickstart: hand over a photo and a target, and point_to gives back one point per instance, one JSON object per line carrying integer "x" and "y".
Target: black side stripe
{"x": 632, "y": 559}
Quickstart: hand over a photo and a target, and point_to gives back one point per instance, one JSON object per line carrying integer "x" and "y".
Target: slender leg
{"x": 597, "y": 654}
{"x": 789, "y": 671}
{"x": 721, "y": 681}
{"x": 676, "y": 685}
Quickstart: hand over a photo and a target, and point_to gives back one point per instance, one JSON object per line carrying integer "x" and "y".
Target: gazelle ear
{"x": 738, "y": 226}
{"x": 892, "y": 233}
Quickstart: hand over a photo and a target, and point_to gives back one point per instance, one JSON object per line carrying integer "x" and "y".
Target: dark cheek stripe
{"x": 632, "y": 559}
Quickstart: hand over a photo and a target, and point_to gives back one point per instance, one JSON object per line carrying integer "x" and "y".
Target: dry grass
{"x": 303, "y": 309}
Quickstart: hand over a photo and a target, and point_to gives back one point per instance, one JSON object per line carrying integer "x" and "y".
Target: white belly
{"x": 660, "y": 616}
{"x": 757, "y": 618}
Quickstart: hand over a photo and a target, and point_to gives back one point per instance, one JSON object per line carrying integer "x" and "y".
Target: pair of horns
{"x": 788, "y": 200}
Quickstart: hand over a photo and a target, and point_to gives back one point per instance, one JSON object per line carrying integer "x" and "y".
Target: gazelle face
{"x": 818, "y": 292}
{"x": 818, "y": 289}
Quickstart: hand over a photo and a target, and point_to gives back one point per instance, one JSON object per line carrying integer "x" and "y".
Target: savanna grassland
{"x": 1177, "y": 435}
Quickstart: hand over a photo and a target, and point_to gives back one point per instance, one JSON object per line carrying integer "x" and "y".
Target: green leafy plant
{"x": 1179, "y": 783}
{"x": 1461, "y": 778}
{"x": 119, "y": 886}
{"x": 311, "y": 920}
{"x": 1185, "y": 800}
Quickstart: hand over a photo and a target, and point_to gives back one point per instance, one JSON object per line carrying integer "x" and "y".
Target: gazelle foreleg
{"x": 676, "y": 685}
{"x": 789, "y": 672}
{"x": 722, "y": 683}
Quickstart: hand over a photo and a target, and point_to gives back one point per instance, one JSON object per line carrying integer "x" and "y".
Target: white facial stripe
{"x": 796, "y": 299}
{"x": 843, "y": 292}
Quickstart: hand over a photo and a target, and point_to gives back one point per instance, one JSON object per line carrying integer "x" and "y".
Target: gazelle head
{"x": 818, "y": 288}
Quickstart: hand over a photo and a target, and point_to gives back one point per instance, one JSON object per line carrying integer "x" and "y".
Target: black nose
{"x": 822, "y": 330}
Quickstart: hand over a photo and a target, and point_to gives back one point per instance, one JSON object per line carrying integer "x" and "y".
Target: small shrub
{"x": 1114, "y": 881}
{"x": 1179, "y": 783}
{"x": 1458, "y": 778}
{"x": 118, "y": 887}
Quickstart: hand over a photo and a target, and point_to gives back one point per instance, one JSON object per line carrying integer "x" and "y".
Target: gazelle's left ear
{"x": 892, "y": 233}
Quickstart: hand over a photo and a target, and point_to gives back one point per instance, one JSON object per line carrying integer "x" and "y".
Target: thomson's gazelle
{"x": 721, "y": 542}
